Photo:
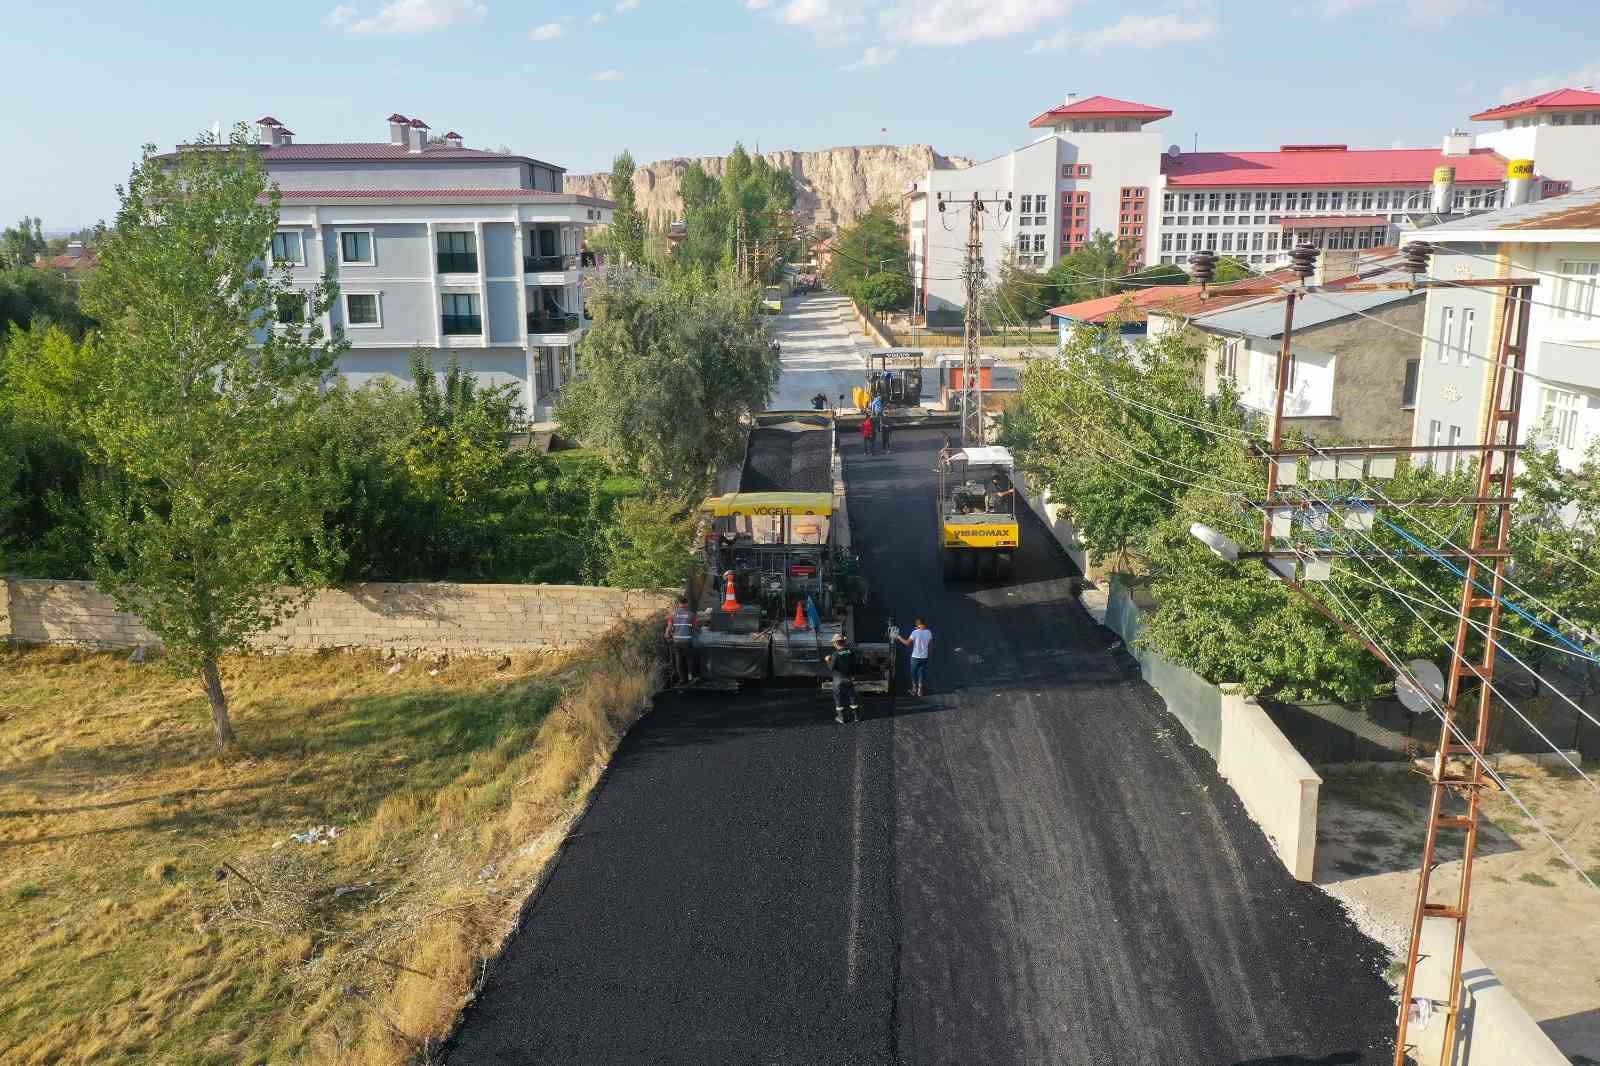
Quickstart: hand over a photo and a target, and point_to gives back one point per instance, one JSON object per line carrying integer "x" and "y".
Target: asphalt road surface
{"x": 821, "y": 351}
{"x": 1030, "y": 865}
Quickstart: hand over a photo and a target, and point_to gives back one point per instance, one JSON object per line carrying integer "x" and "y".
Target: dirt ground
{"x": 1534, "y": 920}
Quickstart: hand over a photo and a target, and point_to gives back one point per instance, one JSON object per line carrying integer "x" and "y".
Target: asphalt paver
{"x": 1031, "y": 864}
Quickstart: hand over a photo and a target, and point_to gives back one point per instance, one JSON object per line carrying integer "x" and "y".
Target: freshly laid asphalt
{"x": 1032, "y": 864}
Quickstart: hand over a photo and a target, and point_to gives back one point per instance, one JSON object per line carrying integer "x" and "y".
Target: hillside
{"x": 835, "y": 185}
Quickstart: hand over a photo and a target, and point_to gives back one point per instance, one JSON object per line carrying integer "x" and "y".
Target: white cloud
{"x": 549, "y": 31}
{"x": 1588, "y": 74}
{"x": 1422, "y": 12}
{"x": 408, "y": 16}
{"x": 928, "y": 22}
{"x": 1152, "y": 31}
{"x": 607, "y": 75}
{"x": 626, "y": 5}
{"x": 874, "y": 56}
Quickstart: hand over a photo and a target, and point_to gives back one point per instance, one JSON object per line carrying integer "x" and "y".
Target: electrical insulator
{"x": 1417, "y": 254}
{"x": 1304, "y": 260}
{"x": 1203, "y": 267}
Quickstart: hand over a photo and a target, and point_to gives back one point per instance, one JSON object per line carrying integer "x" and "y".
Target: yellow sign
{"x": 993, "y": 535}
{"x": 1519, "y": 168}
{"x": 770, "y": 503}
{"x": 1443, "y": 174}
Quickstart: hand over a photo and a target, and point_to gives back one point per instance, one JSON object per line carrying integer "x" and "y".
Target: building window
{"x": 1166, "y": 242}
{"x": 1083, "y": 170}
{"x": 1414, "y": 200}
{"x": 1082, "y": 197}
{"x": 1261, "y": 201}
{"x": 1230, "y": 359}
{"x": 458, "y": 252}
{"x": 1183, "y": 242}
{"x": 1230, "y": 201}
{"x": 1166, "y": 201}
{"x": 1408, "y": 391}
{"x": 1183, "y": 201}
{"x": 1305, "y": 200}
{"x": 1213, "y": 220}
{"x": 1363, "y": 239}
{"x": 361, "y": 309}
{"x": 1383, "y": 200}
{"x": 1038, "y": 242}
{"x": 1214, "y": 201}
{"x": 355, "y": 247}
{"x": 1255, "y": 241}
{"x": 1272, "y": 242}
{"x": 1211, "y": 242}
{"x": 1274, "y": 201}
{"x": 286, "y": 248}
{"x": 1336, "y": 201}
{"x": 1469, "y": 322}
{"x": 1452, "y": 459}
{"x": 545, "y": 372}
{"x": 461, "y": 316}
{"x": 291, "y": 309}
{"x": 1575, "y": 293}
{"x": 1559, "y": 412}
{"x": 1447, "y": 334}
{"x": 1435, "y": 431}
{"x": 1227, "y": 242}
{"x": 1227, "y": 220}
{"x": 1322, "y": 200}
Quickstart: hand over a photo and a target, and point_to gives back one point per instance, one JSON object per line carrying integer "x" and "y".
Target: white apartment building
{"x": 1102, "y": 168}
{"x": 1559, "y": 130}
{"x": 1557, "y": 241}
{"x": 463, "y": 251}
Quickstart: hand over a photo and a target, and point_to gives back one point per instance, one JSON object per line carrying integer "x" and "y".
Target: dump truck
{"x": 778, "y": 580}
{"x": 977, "y": 512}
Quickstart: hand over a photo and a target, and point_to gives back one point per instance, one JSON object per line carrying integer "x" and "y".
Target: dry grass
{"x": 120, "y": 943}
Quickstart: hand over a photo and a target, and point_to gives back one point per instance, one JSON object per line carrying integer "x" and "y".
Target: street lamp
{"x": 1221, "y": 545}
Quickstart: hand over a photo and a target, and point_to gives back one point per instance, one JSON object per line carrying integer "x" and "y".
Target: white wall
{"x": 1564, "y": 153}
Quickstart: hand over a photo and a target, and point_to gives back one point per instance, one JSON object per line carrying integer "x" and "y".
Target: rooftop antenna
{"x": 1197, "y": 142}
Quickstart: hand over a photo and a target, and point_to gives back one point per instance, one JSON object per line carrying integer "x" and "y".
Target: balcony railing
{"x": 458, "y": 262}
{"x": 536, "y": 264}
{"x": 462, "y": 325}
{"x": 538, "y": 323}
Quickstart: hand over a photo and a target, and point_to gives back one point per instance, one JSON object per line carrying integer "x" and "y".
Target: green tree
{"x": 29, "y": 295}
{"x": 20, "y": 244}
{"x": 875, "y": 244}
{"x": 208, "y": 516}
{"x": 670, "y": 369}
{"x": 1018, "y": 296}
{"x": 627, "y": 225}
{"x": 884, "y": 292}
{"x": 1230, "y": 269}
{"x": 647, "y": 546}
{"x": 1095, "y": 268}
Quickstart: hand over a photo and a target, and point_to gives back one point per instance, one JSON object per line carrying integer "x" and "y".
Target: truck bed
{"x": 788, "y": 455}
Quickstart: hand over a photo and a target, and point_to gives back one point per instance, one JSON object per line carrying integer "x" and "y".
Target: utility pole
{"x": 973, "y": 432}
{"x": 1483, "y": 564}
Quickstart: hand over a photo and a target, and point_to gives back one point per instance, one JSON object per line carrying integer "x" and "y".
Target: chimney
{"x": 1519, "y": 182}
{"x": 453, "y": 139}
{"x": 419, "y": 135}
{"x": 398, "y": 127}
{"x": 285, "y": 136}
{"x": 1070, "y": 97}
{"x": 1444, "y": 190}
{"x": 1457, "y": 143}
{"x": 1335, "y": 264}
{"x": 267, "y": 130}
{"x": 75, "y": 249}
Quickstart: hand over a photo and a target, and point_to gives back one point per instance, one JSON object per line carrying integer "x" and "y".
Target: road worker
{"x": 680, "y": 634}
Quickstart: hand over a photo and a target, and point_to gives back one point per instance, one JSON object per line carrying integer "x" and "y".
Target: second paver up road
{"x": 1031, "y": 865}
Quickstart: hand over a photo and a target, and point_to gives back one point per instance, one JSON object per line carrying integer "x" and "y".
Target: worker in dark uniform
{"x": 842, "y": 662}
{"x": 1001, "y": 492}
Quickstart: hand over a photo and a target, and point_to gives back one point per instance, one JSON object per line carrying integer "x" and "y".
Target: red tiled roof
{"x": 1558, "y": 100}
{"x": 1335, "y": 221}
{"x": 1364, "y": 166}
{"x": 1100, "y": 107}
{"x": 435, "y": 195}
{"x": 1134, "y": 305}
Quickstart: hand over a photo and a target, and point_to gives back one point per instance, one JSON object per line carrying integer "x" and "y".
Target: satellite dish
{"x": 1423, "y": 700}
{"x": 1173, "y": 151}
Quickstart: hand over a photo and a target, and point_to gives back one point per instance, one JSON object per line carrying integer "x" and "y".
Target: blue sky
{"x": 575, "y": 82}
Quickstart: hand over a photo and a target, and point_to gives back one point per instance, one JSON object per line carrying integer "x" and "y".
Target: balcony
{"x": 462, "y": 325}
{"x": 548, "y": 264}
{"x": 538, "y": 323}
{"x": 458, "y": 262}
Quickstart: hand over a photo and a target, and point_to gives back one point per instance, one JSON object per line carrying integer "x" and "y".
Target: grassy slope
{"x": 119, "y": 942}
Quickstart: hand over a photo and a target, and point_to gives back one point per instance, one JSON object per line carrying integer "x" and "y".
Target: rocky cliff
{"x": 835, "y": 185}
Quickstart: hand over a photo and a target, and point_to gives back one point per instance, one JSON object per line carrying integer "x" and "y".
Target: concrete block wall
{"x": 1275, "y": 783}
{"x": 405, "y": 616}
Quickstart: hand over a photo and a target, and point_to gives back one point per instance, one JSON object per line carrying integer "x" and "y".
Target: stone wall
{"x": 408, "y": 617}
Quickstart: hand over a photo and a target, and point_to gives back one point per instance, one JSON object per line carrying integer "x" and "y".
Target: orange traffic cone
{"x": 730, "y": 602}
{"x": 800, "y": 616}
